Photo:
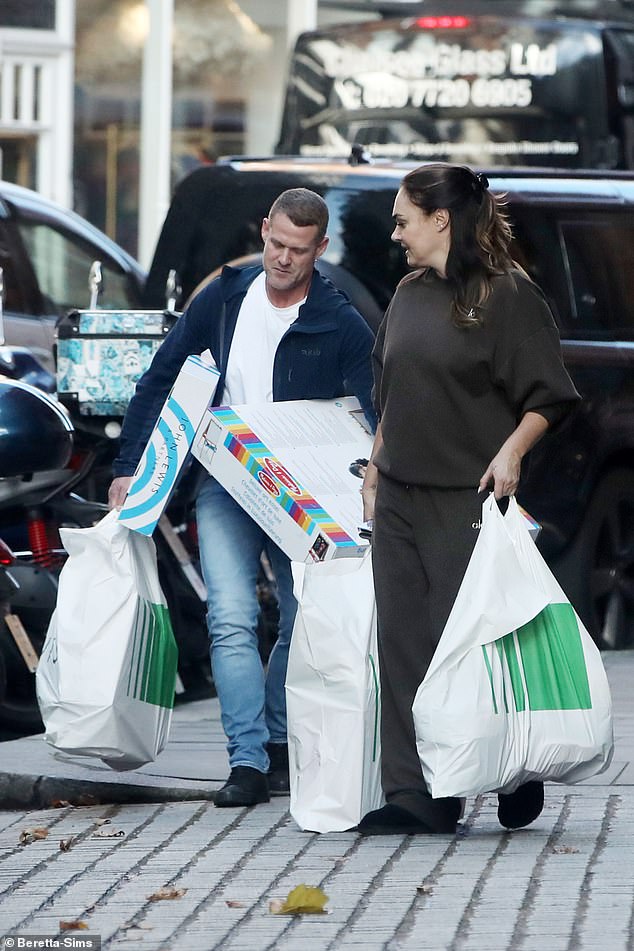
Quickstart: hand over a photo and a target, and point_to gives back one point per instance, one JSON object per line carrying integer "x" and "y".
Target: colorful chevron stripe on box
{"x": 247, "y": 447}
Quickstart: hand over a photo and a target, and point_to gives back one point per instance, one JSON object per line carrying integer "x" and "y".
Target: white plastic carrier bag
{"x": 333, "y": 697}
{"x": 105, "y": 680}
{"x": 516, "y": 689}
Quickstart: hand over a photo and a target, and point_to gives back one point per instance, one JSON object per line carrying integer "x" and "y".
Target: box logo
{"x": 282, "y": 475}
{"x": 269, "y": 484}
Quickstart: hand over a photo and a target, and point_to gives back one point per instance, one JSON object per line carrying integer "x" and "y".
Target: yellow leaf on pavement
{"x": 303, "y": 900}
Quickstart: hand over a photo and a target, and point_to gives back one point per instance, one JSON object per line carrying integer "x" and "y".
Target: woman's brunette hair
{"x": 480, "y": 231}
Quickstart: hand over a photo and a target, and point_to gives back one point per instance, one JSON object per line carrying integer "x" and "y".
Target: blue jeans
{"x": 252, "y": 701}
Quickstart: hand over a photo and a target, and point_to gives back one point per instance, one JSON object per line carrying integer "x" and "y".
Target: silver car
{"x": 46, "y": 253}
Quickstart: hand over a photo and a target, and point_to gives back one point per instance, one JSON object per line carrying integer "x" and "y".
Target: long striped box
{"x": 296, "y": 468}
{"x": 168, "y": 445}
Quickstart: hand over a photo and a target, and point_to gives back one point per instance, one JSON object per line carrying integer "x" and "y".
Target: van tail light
{"x": 443, "y": 23}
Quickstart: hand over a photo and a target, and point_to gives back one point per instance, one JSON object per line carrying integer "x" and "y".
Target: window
{"x": 14, "y": 289}
{"x": 600, "y": 254}
{"x": 360, "y": 227}
{"x": 62, "y": 261}
{"x": 28, "y": 14}
{"x": 537, "y": 248}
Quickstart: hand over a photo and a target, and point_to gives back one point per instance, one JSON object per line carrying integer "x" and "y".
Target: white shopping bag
{"x": 516, "y": 689}
{"x": 105, "y": 680}
{"x": 332, "y": 696}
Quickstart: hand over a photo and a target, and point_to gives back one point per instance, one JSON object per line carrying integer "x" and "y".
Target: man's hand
{"x": 118, "y": 491}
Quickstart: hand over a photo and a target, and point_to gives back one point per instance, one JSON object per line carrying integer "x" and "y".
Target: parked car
{"x": 574, "y": 233}
{"x": 45, "y": 254}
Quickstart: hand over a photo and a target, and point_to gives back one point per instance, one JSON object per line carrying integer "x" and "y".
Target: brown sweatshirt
{"x": 449, "y": 396}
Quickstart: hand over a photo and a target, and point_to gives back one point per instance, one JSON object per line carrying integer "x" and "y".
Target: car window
{"x": 16, "y": 298}
{"x": 61, "y": 262}
{"x": 600, "y": 254}
{"x": 537, "y": 247}
{"x": 360, "y": 228}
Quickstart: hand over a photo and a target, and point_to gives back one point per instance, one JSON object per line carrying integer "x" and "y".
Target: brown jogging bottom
{"x": 422, "y": 541}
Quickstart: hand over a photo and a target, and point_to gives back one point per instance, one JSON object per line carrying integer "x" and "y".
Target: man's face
{"x": 289, "y": 254}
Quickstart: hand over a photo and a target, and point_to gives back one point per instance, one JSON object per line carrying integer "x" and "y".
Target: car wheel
{"x": 597, "y": 572}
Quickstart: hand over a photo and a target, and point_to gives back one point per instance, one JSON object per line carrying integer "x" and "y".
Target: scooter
{"x": 36, "y": 443}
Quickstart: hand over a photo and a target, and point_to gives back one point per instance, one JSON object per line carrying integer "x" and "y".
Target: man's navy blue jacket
{"x": 324, "y": 354}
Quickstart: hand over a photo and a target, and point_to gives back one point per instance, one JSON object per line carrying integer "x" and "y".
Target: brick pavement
{"x": 566, "y": 882}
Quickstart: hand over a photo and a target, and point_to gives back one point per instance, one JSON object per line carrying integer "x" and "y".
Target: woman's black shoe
{"x": 519, "y": 808}
{"x": 245, "y": 787}
{"x": 392, "y": 820}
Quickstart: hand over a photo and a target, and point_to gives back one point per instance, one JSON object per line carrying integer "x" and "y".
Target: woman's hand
{"x": 502, "y": 474}
{"x": 504, "y": 469}
{"x": 368, "y": 491}
{"x": 371, "y": 478}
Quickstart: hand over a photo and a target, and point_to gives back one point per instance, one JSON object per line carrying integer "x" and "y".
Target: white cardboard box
{"x": 167, "y": 447}
{"x": 291, "y": 466}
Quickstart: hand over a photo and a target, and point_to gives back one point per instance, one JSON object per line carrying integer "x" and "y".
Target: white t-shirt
{"x": 259, "y": 329}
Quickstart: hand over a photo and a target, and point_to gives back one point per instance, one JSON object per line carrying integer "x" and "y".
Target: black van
{"x": 506, "y": 82}
{"x": 574, "y": 233}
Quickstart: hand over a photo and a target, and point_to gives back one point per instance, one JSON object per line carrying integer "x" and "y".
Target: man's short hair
{"x": 304, "y": 207}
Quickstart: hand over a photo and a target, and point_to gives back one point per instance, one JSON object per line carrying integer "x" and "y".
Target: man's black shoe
{"x": 279, "y": 782}
{"x": 245, "y": 787}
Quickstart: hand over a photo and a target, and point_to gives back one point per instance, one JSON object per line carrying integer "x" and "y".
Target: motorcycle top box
{"x": 36, "y": 433}
{"x": 102, "y": 354}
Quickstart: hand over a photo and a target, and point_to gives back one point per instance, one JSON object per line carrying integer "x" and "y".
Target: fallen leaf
{"x": 31, "y": 835}
{"x": 164, "y": 894}
{"x": 565, "y": 849}
{"x": 65, "y": 844}
{"x": 424, "y": 889}
{"x": 108, "y": 834}
{"x": 302, "y": 900}
{"x": 235, "y": 904}
{"x": 59, "y": 803}
{"x": 73, "y": 926}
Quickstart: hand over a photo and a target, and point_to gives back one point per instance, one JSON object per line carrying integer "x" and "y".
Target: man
{"x": 277, "y": 332}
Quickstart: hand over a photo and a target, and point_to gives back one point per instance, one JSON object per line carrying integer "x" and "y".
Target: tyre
{"x": 597, "y": 571}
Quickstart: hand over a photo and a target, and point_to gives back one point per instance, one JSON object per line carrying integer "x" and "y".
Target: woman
{"x": 468, "y": 377}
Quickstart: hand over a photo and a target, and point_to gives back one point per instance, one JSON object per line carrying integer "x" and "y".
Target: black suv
{"x": 574, "y": 233}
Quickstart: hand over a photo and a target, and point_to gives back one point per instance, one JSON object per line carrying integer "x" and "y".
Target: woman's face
{"x": 424, "y": 238}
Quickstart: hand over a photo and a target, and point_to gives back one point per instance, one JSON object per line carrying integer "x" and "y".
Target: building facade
{"x": 36, "y": 95}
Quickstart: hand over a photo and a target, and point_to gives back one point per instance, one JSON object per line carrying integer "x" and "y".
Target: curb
{"x": 19, "y": 791}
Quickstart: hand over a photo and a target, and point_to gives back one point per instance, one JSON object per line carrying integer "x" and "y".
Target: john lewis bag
{"x": 105, "y": 680}
{"x": 332, "y": 696}
{"x": 516, "y": 689}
